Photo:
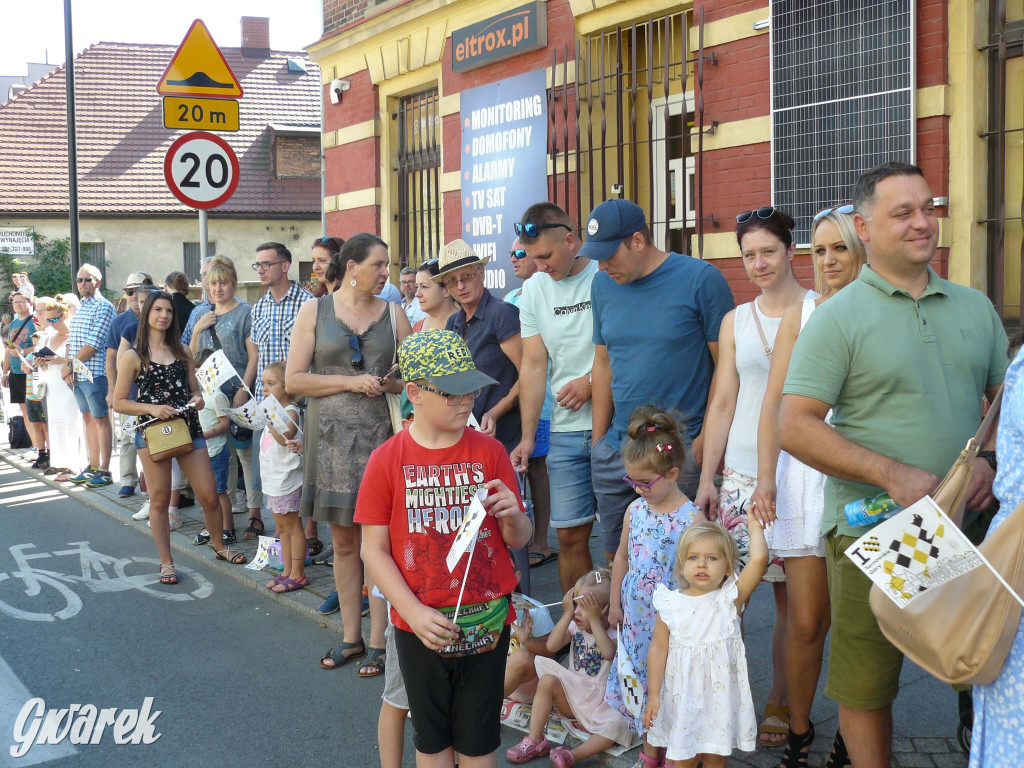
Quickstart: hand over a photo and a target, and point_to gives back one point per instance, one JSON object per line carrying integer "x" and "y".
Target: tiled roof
{"x": 122, "y": 140}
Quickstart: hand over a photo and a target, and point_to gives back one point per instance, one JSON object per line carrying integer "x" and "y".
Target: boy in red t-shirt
{"x": 415, "y": 491}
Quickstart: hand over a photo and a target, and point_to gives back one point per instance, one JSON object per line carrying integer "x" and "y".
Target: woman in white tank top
{"x": 791, "y": 493}
{"x": 745, "y": 341}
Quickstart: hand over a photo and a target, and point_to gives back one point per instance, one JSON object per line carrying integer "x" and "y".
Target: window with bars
{"x": 193, "y": 259}
{"x": 842, "y": 98}
{"x": 419, "y": 169}
{"x": 95, "y": 254}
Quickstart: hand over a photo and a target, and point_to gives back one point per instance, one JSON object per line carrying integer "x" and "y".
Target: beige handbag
{"x": 167, "y": 439}
{"x": 961, "y": 631}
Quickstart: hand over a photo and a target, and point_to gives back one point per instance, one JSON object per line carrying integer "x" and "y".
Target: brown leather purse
{"x": 961, "y": 631}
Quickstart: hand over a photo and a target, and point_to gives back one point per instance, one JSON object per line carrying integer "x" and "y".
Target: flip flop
{"x": 290, "y": 585}
{"x": 537, "y": 559}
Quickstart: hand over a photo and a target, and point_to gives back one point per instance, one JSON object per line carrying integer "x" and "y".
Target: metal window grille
{"x": 95, "y": 254}
{"x": 193, "y": 259}
{"x": 419, "y": 171}
{"x": 842, "y": 76}
{"x": 623, "y": 128}
{"x": 1005, "y": 136}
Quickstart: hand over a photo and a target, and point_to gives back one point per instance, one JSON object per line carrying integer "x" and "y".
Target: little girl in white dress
{"x": 699, "y": 706}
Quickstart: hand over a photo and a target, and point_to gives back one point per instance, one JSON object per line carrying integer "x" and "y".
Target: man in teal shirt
{"x": 903, "y": 358}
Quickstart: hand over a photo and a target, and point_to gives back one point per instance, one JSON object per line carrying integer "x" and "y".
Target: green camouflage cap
{"x": 442, "y": 359}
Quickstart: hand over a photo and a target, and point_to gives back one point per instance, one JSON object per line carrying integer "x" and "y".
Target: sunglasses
{"x": 55, "y": 319}
{"x": 330, "y": 243}
{"x": 845, "y": 209}
{"x": 640, "y": 485}
{"x": 517, "y": 254}
{"x": 85, "y": 279}
{"x": 532, "y": 230}
{"x": 357, "y": 347}
{"x": 762, "y": 213}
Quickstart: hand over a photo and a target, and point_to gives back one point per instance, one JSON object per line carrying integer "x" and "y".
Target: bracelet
{"x": 990, "y": 457}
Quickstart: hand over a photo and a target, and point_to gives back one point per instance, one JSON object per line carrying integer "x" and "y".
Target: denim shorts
{"x": 92, "y": 396}
{"x": 221, "y": 463}
{"x": 572, "y": 493}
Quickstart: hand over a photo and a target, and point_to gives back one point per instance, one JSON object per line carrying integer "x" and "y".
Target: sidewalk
{"x": 925, "y": 714}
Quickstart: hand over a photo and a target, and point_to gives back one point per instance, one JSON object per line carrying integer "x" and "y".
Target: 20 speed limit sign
{"x": 201, "y": 170}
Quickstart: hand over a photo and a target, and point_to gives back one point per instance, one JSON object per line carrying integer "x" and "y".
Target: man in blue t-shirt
{"x": 656, "y": 320}
{"x": 124, "y": 328}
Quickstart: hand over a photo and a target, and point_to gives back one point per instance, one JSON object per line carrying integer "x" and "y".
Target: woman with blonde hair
{"x": 792, "y": 493}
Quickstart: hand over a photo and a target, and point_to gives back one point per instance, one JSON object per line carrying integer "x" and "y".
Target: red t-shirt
{"x": 421, "y": 494}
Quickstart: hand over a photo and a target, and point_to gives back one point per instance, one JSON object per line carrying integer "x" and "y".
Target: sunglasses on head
{"x": 330, "y": 243}
{"x": 517, "y": 254}
{"x": 357, "y": 347}
{"x": 532, "y": 230}
{"x": 845, "y": 209}
{"x": 762, "y": 213}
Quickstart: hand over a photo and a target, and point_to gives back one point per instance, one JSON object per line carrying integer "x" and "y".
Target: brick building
{"x": 697, "y": 111}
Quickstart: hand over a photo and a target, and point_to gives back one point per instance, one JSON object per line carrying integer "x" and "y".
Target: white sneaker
{"x": 142, "y": 514}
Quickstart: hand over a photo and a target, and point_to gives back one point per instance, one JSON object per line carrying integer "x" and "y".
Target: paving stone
{"x": 913, "y": 760}
{"x": 951, "y": 760}
{"x": 931, "y": 746}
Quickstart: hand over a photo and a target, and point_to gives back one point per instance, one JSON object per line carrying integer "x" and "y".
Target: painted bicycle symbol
{"x": 99, "y": 573}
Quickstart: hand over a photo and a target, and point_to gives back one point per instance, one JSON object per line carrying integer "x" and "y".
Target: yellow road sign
{"x": 200, "y": 114}
{"x": 198, "y": 68}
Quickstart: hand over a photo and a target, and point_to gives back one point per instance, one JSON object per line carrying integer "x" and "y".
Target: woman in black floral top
{"x": 163, "y": 369}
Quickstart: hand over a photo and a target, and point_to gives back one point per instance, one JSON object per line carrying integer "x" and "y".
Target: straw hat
{"x": 456, "y": 255}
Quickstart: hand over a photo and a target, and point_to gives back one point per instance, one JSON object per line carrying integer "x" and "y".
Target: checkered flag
{"x": 916, "y": 547}
{"x": 629, "y": 683}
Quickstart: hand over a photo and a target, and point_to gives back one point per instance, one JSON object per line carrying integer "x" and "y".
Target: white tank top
{"x": 752, "y": 366}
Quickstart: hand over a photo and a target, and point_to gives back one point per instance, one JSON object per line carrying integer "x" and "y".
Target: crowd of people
{"x": 437, "y": 427}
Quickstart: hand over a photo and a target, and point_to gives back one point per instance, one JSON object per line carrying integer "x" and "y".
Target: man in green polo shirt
{"x": 902, "y": 357}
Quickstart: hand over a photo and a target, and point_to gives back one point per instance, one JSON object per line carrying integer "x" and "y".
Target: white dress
{"x": 706, "y": 705}
{"x": 799, "y": 499}
{"x": 63, "y": 420}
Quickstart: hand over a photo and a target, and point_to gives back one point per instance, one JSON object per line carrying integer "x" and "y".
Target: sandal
{"x": 254, "y": 530}
{"x": 338, "y": 656}
{"x": 774, "y": 723}
{"x": 537, "y": 559}
{"x": 561, "y": 757}
{"x": 798, "y": 747}
{"x": 235, "y": 558}
{"x": 839, "y": 757}
{"x": 168, "y": 574}
{"x": 374, "y": 664}
{"x": 290, "y": 585}
{"x": 63, "y": 477}
{"x": 315, "y": 546}
{"x": 274, "y": 582}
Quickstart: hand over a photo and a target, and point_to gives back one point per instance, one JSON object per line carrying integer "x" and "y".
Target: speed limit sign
{"x": 201, "y": 170}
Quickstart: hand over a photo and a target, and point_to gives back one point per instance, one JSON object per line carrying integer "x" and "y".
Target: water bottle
{"x": 870, "y": 511}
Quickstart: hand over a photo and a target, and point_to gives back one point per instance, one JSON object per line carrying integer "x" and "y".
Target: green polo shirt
{"x": 904, "y": 378}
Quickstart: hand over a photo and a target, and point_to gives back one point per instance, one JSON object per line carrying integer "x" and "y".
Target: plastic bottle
{"x": 870, "y": 511}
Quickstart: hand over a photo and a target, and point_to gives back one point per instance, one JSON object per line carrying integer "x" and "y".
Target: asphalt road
{"x": 233, "y": 674}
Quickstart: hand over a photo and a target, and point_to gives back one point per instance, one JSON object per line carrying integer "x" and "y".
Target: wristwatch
{"x": 990, "y": 457}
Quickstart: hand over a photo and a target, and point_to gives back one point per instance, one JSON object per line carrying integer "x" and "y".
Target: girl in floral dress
{"x": 646, "y": 555}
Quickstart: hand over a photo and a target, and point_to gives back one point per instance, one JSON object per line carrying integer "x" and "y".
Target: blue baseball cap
{"x": 609, "y": 224}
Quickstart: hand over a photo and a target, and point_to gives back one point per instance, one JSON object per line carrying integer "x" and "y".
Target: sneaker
{"x": 330, "y": 605}
{"x": 229, "y": 537}
{"x": 528, "y": 749}
{"x": 174, "y": 521}
{"x": 203, "y": 537}
{"x": 84, "y": 476}
{"x": 126, "y": 491}
{"x": 99, "y": 479}
{"x": 142, "y": 514}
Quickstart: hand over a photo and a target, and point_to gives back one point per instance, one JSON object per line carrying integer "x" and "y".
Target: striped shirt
{"x": 272, "y": 323}
{"x": 89, "y": 326}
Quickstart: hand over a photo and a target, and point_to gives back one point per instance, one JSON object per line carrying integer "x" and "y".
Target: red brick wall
{"x": 338, "y": 13}
{"x": 297, "y": 157}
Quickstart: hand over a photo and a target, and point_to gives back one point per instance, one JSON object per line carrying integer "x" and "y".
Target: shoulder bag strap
{"x": 394, "y": 331}
{"x": 760, "y": 331}
{"x": 985, "y": 430}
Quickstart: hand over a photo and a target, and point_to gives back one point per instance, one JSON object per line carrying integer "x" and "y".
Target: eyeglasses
{"x": 517, "y": 254}
{"x": 762, "y": 213}
{"x": 640, "y": 485}
{"x": 452, "y": 399}
{"x": 532, "y": 230}
{"x": 845, "y": 209}
{"x": 85, "y": 279}
{"x": 357, "y": 347}
{"x": 451, "y": 282}
{"x": 263, "y": 266}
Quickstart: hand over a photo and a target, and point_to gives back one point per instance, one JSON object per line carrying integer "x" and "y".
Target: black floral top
{"x": 168, "y": 385}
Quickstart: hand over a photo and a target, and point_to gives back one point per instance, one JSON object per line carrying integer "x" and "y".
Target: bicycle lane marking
{"x": 13, "y": 696}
